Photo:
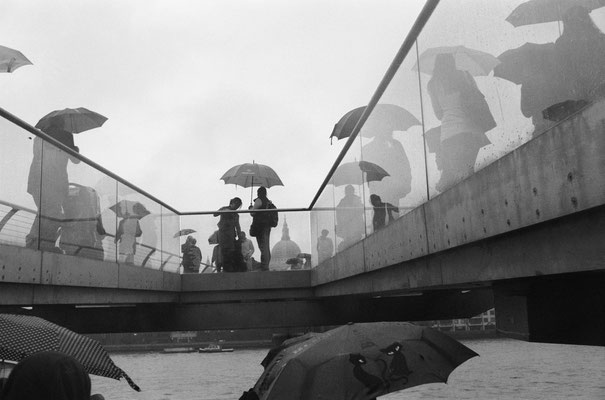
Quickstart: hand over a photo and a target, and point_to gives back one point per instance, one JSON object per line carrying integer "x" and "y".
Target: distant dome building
{"x": 283, "y": 250}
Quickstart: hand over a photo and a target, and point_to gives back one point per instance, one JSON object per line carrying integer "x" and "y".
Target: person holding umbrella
{"x": 261, "y": 227}
{"x": 48, "y": 184}
{"x": 229, "y": 232}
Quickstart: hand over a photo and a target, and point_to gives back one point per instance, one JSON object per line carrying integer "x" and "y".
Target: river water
{"x": 505, "y": 369}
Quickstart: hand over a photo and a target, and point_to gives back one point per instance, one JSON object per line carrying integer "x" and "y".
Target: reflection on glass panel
{"x": 18, "y": 207}
{"x": 496, "y": 74}
{"x": 170, "y": 245}
{"x": 138, "y": 228}
{"x": 323, "y": 226}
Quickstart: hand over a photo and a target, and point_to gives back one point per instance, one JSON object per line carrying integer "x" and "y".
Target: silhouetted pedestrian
{"x": 228, "y": 233}
{"x": 261, "y": 226}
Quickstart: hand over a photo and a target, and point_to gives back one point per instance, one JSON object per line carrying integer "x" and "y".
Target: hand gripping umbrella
{"x": 359, "y": 361}
{"x": 74, "y": 120}
{"x": 11, "y": 59}
{"x": 24, "y": 335}
{"x": 250, "y": 175}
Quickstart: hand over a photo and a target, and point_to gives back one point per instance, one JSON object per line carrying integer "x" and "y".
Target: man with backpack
{"x": 262, "y": 222}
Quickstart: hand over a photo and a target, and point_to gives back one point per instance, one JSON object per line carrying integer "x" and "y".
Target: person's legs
{"x": 263, "y": 245}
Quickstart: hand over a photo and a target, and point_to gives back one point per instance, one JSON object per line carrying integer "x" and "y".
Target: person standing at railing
{"x": 247, "y": 251}
{"x": 128, "y": 230}
{"x": 192, "y": 256}
{"x": 228, "y": 233}
{"x": 261, "y": 227}
{"x": 325, "y": 246}
{"x": 48, "y": 184}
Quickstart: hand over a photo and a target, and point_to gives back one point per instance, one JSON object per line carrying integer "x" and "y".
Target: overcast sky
{"x": 192, "y": 88}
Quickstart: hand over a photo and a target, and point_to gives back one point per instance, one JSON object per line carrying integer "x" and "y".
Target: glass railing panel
{"x": 323, "y": 227}
{"x": 138, "y": 232}
{"x": 477, "y": 107}
{"x": 18, "y": 208}
{"x": 170, "y": 245}
{"x": 392, "y": 142}
{"x": 89, "y": 225}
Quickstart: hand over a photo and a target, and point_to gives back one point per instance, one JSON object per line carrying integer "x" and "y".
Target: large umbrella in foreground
{"x": 357, "y": 173}
{"x": 475, "y": 62}
{"x": 129, "y": 208}
{"x": 11, "y": 59}
{"x": 540, "y": 11}
{"x": 250, "y": 175}
{"x": 384, "y": 119}
{"x": 24, "y": 335}
{"x": 74, "y": 120}
{"x": 361, "y": 361}
{"x": 526, "y": 63}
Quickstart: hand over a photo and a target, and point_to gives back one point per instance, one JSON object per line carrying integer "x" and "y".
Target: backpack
{"x": 272, "y": 217}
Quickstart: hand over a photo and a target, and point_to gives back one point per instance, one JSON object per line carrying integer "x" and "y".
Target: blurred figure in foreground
{"x": 48, "y": 184}
{"x": 465, "y": 117}
{"x": 47, "y": 376}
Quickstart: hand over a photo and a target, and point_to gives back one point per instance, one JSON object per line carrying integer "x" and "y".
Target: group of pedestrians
{"x": 235, "y": 249}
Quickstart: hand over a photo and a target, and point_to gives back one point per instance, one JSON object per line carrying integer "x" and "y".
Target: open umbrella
{"x": 184, "y": 232}
{"x": 24, "y": 335}
{"x": 11, "y": 59}
{"x": 385, "y": 119}
{"x": 475, "y": 62}
{"x": 357, "y": 173}
{"x": 540, "y": 11}
{"x": 361, "y": 361}
{"x": 129, "y": 208}
{"x": 526, "y": 62}
{"x": 74, "y": 120}
{"x": 250, "y": 175}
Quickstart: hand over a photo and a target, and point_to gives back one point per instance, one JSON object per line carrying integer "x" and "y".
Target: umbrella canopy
{"x": 526, "y": 62}
{"x": 129, "y": 208}
{"x": 74, "y": 120}
{"x": 184, "y": 232}
{"x": 249, "y": 175}
{"x": 24, "y": 335}
{"x": 385, "y": 119}
{"x": 475, "y": 62}
{"x": 357, "y": 173}
{"x": 361, "y": 361}
{"x": 11, "y": 59}
{"x": 540, "y": 11}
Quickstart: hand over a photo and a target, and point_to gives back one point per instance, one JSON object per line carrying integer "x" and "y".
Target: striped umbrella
{"x": 24, "y": 335}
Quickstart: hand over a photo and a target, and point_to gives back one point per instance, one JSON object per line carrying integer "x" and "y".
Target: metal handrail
{"x": 409, "y": 41}
{"x": 22, "y": 124}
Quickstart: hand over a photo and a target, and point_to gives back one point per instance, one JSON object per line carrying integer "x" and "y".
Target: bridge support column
{"x": 555, "y": 309}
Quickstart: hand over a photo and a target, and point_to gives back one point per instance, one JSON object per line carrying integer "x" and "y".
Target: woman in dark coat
{"x": 229, "y": 232}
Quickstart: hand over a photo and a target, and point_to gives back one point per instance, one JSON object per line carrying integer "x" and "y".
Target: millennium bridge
{"x": 521, "y": 229}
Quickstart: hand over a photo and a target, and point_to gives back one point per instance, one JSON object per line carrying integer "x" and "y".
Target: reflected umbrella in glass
{"x": 11, "y": 59}
{"x": 384, "y": 118}
{"x": 250, "y": 175}
{"x": 359, "y": 361}
{"x": 74, "y": 120}
{"x": 184, "y": 232}
{"x": 129, "y": 209}
{"x": 24, "y": 335}
{"x": 541, "y": 11}
{"x": 357, "y": 173}
{"x": 475, "y": 62}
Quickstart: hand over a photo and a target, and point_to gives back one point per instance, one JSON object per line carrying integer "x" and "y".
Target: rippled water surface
{"x": 506, "y": 369}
